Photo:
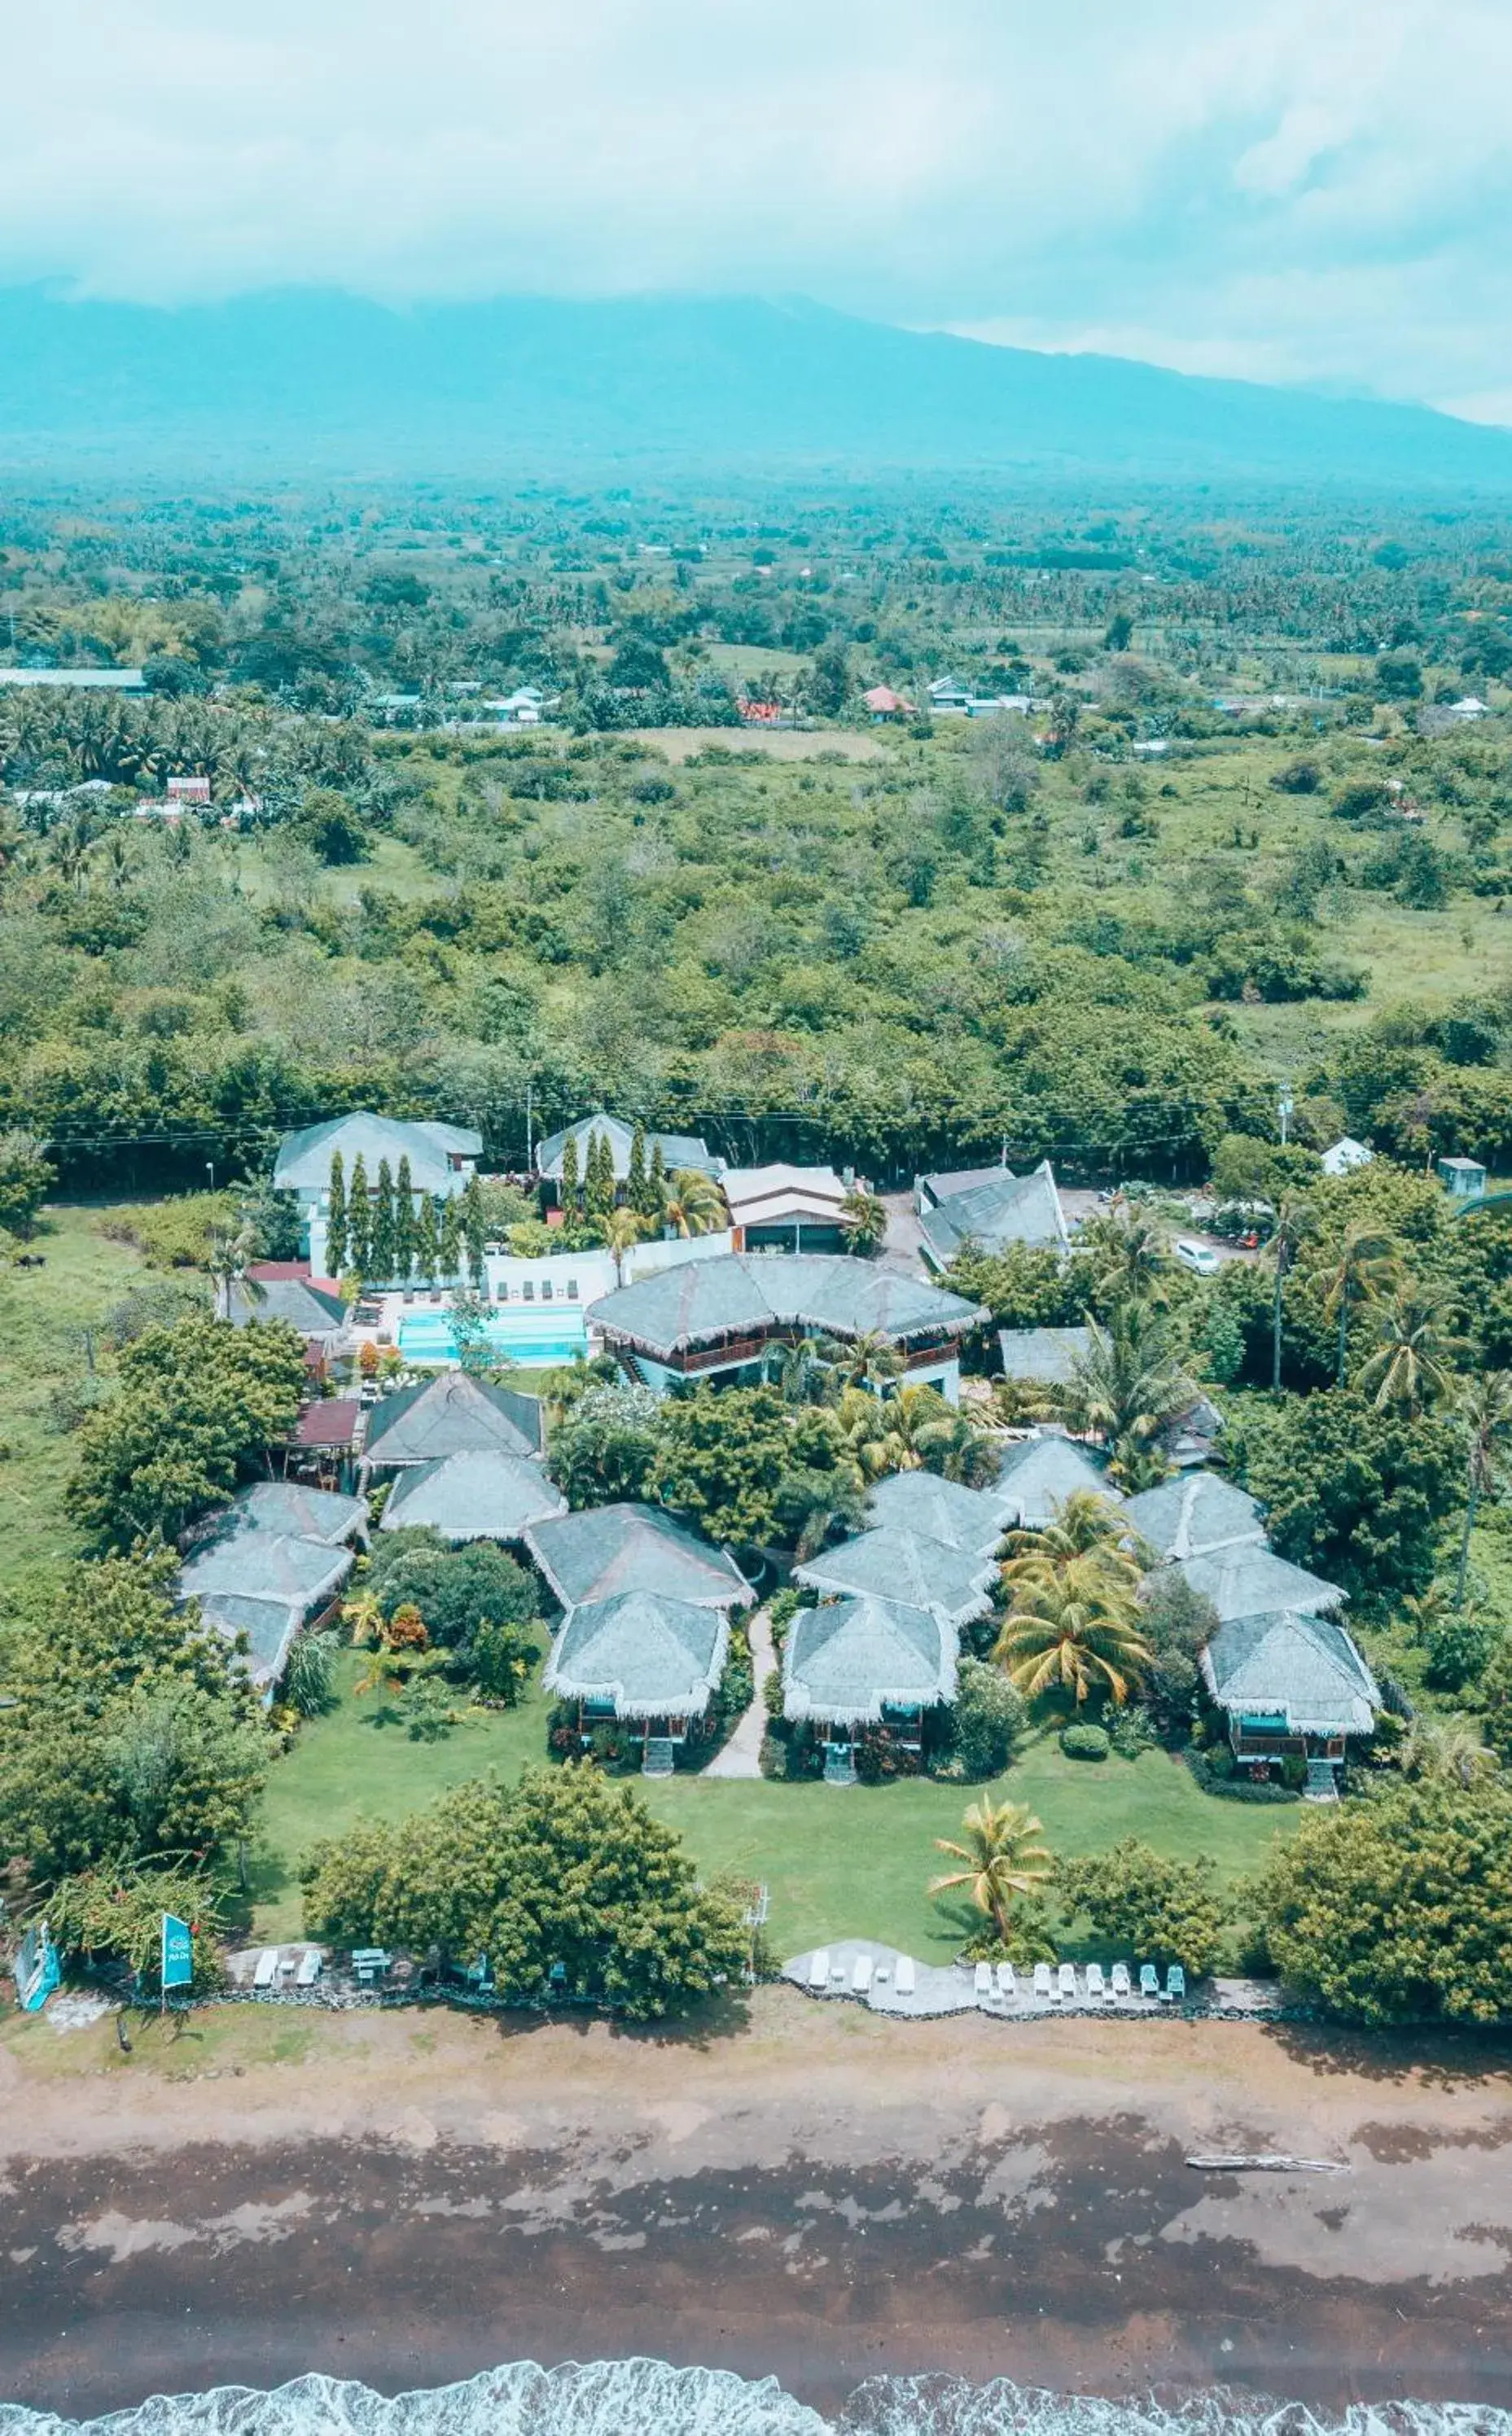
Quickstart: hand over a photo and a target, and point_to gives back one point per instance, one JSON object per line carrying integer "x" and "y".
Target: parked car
{"x": 1200, "y": 1257}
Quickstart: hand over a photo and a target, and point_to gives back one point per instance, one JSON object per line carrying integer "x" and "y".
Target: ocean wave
{"x": 645, "y": 2397}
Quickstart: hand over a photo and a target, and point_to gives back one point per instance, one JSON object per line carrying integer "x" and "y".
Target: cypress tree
{"x": 449, "y": 1239}
{"x": 599, "y": 1197}
{"x": 635, "y": 1179}
{"x": 424, "y": 1240}
{"x": 335, "y": 1222}
{"x": 475, "y": 1230}
{"x": 403, "y": 1224}
{"x": 569, "y": 1174}
{"x": 381, "y": 1244}
{"x": 360, "y": 1220}
{"x": 656, "y": 1183}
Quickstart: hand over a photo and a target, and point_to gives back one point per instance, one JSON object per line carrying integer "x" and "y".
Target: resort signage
{"x": 36, "y": 1968}
{"x": 178, "y": 1953}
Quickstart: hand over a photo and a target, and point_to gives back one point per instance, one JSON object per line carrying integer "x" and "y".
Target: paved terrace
{"x": 867, "y": 1975}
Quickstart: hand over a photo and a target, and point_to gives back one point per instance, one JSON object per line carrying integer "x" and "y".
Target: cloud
{"x": 1305, "y": 189}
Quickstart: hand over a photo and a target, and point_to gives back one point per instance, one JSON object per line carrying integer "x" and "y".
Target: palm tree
{"x": 1447, "y": 1750}
{"x": 693, "y": 1203}
{"x": 1294, "y": 1224}
{"x": 820, "y": 1506}
{"x": 1074, "y": 1625}
{"x": 1002, "y": 1857}
{"x": 803, "y": 1373}
{"x": 948, "y": 1444}
{"x": 864, "y": 1219}
{"x": 1355, "y": 1272}
{"x": 1413, "y": 1363}
{"x": 1085, "y": 1525}
{"x": 621, "y": 1230}
{"x": 870, "y": 1436}
{"x": 870, "y": 1359}
{"x": 1485, "y": 1409}
{"x": 226, "y": 1261}
{"x": 1129, "y": 1382}
{"x": 1131, "y": 1253}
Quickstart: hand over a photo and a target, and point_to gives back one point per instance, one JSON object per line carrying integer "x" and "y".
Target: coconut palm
{"x": 947, "y": 1443}
{"x": 1000, "y": 1855}
{"x": 1357, "y": 1272}
{"x": 1485, "y": 1410}
{"x": 1129, "y": 1247}
{"x": 226, "y": 1261}
{"x": 1074, "y": 1626}
{"x": 864, "y": 1219}
{"x": 870, "y": 1435}
{"x": 870, "y": 1359}
{"x": 1129, "y": 1382}
{"x": 621, "y": 1230}
{"x": 1413, "y": 1363}
{"x": 803, "y": 1373}
{"x": 1446, "y": 1750}
{"x": 1294, "y": 1222}
{"x": 1084, "y": 1524}
{"x": 693, "y": 1203}
{"x": 818, "y": 1508}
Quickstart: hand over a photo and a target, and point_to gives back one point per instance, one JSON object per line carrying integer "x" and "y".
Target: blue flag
{"x": 178, "y": 1953}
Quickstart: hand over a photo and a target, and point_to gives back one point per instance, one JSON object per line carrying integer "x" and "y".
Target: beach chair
{"x": 309, "y": 1966}
{"x": 981, "y": 1981}
{"x": 905, "y": 1979}
{"x": 1175, "y": 1985}
{"x": 1096, "y": 1985}
{"x": 860, "y": 1977}
{"x": 819, "y": 1972}
{"x": 266, "y": 1970}
{"x": 1042, "y": 1983}
{"x": 1120, "y": 1982}
{"x": 1149, "y": 1979}
{"x": 1065, "y": 1984}
{"x": 1007, "y": 1984}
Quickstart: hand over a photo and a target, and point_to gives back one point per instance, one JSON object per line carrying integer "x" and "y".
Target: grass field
{"x": 43, "y": 1316}
{"x": 837, "y": 1863}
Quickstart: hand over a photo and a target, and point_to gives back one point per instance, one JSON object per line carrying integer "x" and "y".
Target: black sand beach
{"x": 821, "y": 2199}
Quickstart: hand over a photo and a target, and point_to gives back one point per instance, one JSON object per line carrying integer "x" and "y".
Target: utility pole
{"x": 529, "y": 1124}
{"x": 1284, "y": 1110}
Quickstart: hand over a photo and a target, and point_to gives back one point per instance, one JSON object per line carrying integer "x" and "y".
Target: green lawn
{"x": 837, "y": 1863}
{"x": 43, "y": 1316}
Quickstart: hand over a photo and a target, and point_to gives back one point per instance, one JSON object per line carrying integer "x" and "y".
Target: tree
{"x": 1354, "y": 1273}
{"x": 1129, "y": 1256}
{"x": 864, "y": 1219}
{"x": 1358, "y": 1494}
{"x": 449, "y": 1238}
{"x": 1294, "y": 1224}
{"x": 1127, "y": 1384}
{"x": 1447, "y": 1750}
{"x": 598, "y": 1179}
{"x": 113, "y": 1914}
{"x": 26, "y": 1178}
{"x": 565, "y": 1882}
{"x": 428, "y": 1249}
{"x": 870, "y": 1359}
{"x": 569, "y": 1173}
{"x": 404, "y": 1223}
{"x": 456, "y": 1592}
{"x": 1496, "y": 1695}
{"x": 986, "y": 1721}
{"x": 477, "y": 1352}
{"x": 129, "y": 1727}
{"x": 604, "y": 1448}
{"x": 380, "y": 1234}
{"x": 360, "y": 1220}
{"x": 1073, "y": 1627}
{"x": 1399, "y": 1908}
{"x": 197, "y": 1401}
{"x": 726, "y": 1455}
{"x": 1023, "y": 1287}
{"x": 1486, "y": 1415}
{"x": 475, "y": 1231}
{"x": 1084, "y": 1524}
{"x": 637, "y": 1180}
{"x": 1001, "y": 1856}
{"x": 1158, "y": 1911}
{"x": 1413, "y": 1363}
{"x": 948, "y": 1444}
{"x": 694, "y": 1204}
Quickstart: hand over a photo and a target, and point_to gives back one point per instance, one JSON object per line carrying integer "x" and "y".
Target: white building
{"x": 442, "y": 1158}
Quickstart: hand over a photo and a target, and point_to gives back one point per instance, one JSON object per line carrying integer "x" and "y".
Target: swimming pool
{"x": 536, "y": 1337}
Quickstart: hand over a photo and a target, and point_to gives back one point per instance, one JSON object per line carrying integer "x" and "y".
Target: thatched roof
{"x": 908, "y": 1569}
{"x": 754, "y": 1294}
{"x": 848, "y": 1661}
{"x": 481, "y": 1494}
{"x": 610, "y": 1549}
{"x": 654, "y": 1657}
{"x": 1302, "y": 1670}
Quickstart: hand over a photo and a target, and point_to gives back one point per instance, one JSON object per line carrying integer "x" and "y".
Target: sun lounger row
{"x": 826, "y": 1978}
{"x": 274, "y": 1963}
{"x": 998, "y": 1983}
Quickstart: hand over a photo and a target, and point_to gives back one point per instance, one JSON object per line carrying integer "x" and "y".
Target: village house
{"x": 782, "y": 1209}
{"x": 889, "y": 1563}
{"x": 479, "y": 1493}
{"x": 990, "y": 1208}
{"x": 930, "y": 1508}
{"x": 644, "y": 1660}
{"x": 1290, "y": 1686}
{"x": 449, "y": 1413}
{"x": 678, "y": 1150}
{"x": 1342, "y": 1156}
{"x": 606, "y": 1550}
{"x": 1036, "y": 1476}
{"x": 273, "y": 1561}
{"x": 441, "y": 1159}
{"x": 859, "y": 1662}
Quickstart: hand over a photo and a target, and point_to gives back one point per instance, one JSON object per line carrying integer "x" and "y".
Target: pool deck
{"x": 557, "y": 1340}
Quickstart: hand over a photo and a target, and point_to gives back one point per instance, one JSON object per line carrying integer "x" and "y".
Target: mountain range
{"x": 303, "y": 381}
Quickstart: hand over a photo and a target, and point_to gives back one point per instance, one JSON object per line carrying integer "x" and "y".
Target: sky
{"x": 1287, "y": 190}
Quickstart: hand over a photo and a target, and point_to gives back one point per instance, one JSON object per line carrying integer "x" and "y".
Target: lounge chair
{"x": 1149, "y": 1979}
{"x": 1007, "y": 1984}
{"x": 1066, "y": 1983}
{"x": 1175, "y": 1985}
{"x": 266, "y": 1970}
{"x": 309, "y": 1966}
{"x": 1096, "y": 1985}
{"x": 905, "y": 1978}
{"x": 981, "y": 1982}
{"x": 860, "y": 1977}
{"x": 1120, "y": 1982}
{"x": 1042, "y": 1983}
{"x": 819, "y": 1971}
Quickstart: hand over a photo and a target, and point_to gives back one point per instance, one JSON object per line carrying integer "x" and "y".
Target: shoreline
{"x": 820, "y": 2197}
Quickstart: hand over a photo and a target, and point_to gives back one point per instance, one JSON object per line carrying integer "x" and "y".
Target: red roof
{"x": 332, "y": 1422}
{"x": 272, "y": 1273}
{"x": 882, "y": 697}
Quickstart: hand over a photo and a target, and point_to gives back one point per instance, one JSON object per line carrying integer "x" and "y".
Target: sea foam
{"x": 645, "y": 2397}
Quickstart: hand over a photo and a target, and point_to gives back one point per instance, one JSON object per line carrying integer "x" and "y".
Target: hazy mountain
{"x": 311, "y": 381}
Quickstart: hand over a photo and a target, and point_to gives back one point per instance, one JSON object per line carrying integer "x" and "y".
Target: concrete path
{"x": 741, "y": 1755}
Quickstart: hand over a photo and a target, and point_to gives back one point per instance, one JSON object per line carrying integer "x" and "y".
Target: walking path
{"x": 741, "y": 1755}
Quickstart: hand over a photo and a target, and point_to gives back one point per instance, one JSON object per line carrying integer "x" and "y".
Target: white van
{"x": 1200, "y": 1257}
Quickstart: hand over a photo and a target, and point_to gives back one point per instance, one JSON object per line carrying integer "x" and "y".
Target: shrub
{"x": 1460, "y": 1647}
{"x": 1161, "y": 1910}
{"x": 1085, "y": 1742}
{"x": 987, "y": 1719}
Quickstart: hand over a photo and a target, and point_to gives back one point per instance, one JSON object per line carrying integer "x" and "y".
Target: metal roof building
{"x": 608, "y": 1550}
{"x": 449, "y": 1413}
{"x": 441, "y": 1156}
{"x": 678, "y": 1150}
{"x": 484, "y": 1493}
{"x": 994, "y": 1214}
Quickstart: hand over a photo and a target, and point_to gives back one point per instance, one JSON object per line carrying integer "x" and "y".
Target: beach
{"x": 817, "y": 2195}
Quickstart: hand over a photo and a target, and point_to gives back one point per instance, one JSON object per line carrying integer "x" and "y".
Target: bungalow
{"x": 1342, "y": 1156}
{"x": 1463, "y": 1178}
{"x": 267, "y": 1584}
{"x": 1195, "y": 1517}
{"x": 677, "y": 1150}
{"x": 920, "y": 1502}
{"x": 288, "y": 1507}
{"x": 1037, "y": 1475}
{"x": 441, "y": 1159}
{"x": 287, "y": 1290}
{"x": 884, "y": 704}
{"x": 482, "y": 1493}
{"x": 782, "y": 1209}
{"x": 903, "y": 1566}
{"x": 1042, "y": 1357}
{"x": 645, "y": 1660}
{"x": 1290, "y": 1685}
{"x": 994, "y": 1212}
{"x": 323, "y": 1440}
{"x": 723, "y": 1319}
{"x": 449, "y": 1413}
{"x": 1249, "y": 1579}
{"x": 608, "y": 1550}
{"x": 855, "y": 1662}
